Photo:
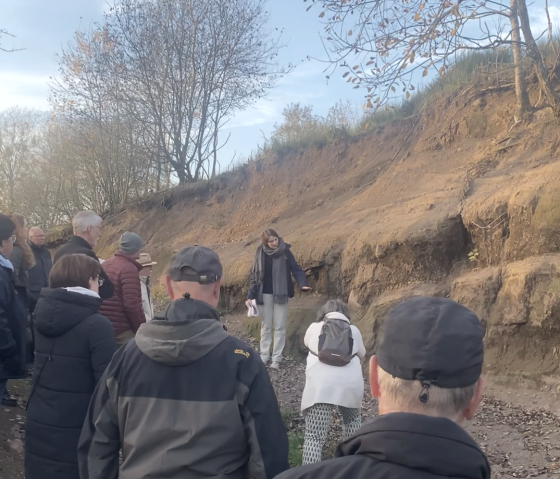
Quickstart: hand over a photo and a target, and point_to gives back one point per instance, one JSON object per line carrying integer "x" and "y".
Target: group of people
{"x": 178, "y": 397}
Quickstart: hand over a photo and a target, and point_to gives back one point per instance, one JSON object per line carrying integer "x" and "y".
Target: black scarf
{"x": 279, "y": 270}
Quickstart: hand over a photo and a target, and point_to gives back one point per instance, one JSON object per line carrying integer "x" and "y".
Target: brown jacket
{"x": 124, "y": 308}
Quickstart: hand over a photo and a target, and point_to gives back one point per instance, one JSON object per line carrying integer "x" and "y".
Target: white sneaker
{"x": 275, "y": 366}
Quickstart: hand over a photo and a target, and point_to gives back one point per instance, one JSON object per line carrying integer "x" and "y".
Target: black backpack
{"x": 335, "y": 343}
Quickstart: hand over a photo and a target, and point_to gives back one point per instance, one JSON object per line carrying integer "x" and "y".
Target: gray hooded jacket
{"x": 184, "y": 400}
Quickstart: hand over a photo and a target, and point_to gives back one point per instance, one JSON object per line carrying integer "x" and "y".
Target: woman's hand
{"x": 249, "y": 302}
{"x": 306, "y": 288}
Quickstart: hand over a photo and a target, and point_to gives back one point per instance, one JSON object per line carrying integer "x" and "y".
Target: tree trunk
{"x": 549, "y": 22}
{"x": 535, "y": 54}
{"x": 523, "y": 104}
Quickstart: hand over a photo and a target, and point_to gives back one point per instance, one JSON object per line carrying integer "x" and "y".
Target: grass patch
{"x": 301, "y": 129}
{"x": 295, "y": 437}
{"x": 295, "y": 451}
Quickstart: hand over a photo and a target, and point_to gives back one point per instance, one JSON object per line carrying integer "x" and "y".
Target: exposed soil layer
{"x": 459, "y": 202}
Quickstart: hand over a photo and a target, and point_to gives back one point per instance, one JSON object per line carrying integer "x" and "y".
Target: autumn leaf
{"x": 356, "y": 67}
{"x": 417, "y": 17}
{"x": 393, "y": 89}
{"x": 425, "y": 72}
{"x": 350, "y": 33}
{"x": 371, "y": 62}
{"x": 345, "y": 74}
{"x": 407, "y": 95}
{"x": 322, "y": 14}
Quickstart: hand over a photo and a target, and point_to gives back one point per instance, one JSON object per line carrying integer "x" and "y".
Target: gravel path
{"x": 519, "y": 440}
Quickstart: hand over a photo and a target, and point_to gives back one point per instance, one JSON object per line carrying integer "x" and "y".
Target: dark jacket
{"x": 12, "y": 327}
{"x": 39, "y": 274}
{"x": 21, "y": 269}
{"x": 75, "y": 245}
{"x": 402, "y": 445}
{"x": 74, "y": 345}
{"x": 124, "y": 308}
{"x": 256, "y": 289}
{"x": 188, "y": 401}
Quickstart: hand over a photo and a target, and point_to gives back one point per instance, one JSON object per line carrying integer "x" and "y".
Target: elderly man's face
{"x": 37, "y": 236}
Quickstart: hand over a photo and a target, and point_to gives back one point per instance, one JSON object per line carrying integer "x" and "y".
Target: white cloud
{"x": 539, "y": 22}
{"x": 25, "y": 90}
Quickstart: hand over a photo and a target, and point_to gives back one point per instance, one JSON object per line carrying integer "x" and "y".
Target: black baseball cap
{"x": 203, "y": 261}
{"x": 433, "y": 340}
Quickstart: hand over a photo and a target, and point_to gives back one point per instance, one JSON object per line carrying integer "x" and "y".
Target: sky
{"x": 43, "y": 27}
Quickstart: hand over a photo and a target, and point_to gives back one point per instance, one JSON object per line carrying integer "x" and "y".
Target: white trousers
{"x": 276, "y": 314}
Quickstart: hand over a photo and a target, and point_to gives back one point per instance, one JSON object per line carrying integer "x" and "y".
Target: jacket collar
{"x": 120, "y": 254}
{"x": 37, "y": 248}
{"x": 188, "y": 331}
{"x": 424, "y": 443}
{"x": 80, "y": 241}
{"x": 335, "y": 315}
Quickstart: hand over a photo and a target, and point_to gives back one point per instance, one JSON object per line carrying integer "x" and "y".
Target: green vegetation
{"x": 302, "y": 129}
{"x": 295, "y": 437}
{"x": 295, "y": 451}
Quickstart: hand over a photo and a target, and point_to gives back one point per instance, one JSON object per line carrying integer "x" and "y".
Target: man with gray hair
{"x": 87, "y": 231}
{"x": 427, "y": 377}
{"x": 124, "y": 308}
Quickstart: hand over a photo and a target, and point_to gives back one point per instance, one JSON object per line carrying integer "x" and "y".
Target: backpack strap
{"x": 316, "y": 355}
{"x": 47, "y": 360}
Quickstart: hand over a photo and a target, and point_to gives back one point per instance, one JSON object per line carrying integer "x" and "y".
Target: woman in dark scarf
{"x": 271, "y": 287}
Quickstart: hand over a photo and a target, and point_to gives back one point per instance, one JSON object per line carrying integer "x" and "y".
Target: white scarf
{"x": 82, "y": 290}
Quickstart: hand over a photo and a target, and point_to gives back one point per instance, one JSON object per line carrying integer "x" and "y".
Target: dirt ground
{"x": 517, "y": 425}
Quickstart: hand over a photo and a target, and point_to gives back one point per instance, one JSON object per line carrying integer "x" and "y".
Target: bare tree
{"x": 6, "y": 33}
{"x": 387, "y": 45}
{"x": 18, "y": 139}
{"x": 186, "y": 67}
{"x": 105, "y": 143}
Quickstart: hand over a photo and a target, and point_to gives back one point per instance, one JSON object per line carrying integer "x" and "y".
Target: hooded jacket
{"x": 124, "y": 308}
{"x": 184, "y": 400}
{"x": 78, "y": 245}
{"x": 74, "y": 345}
{"x": 12, "y": 326}
{"x": 403, "y": 446}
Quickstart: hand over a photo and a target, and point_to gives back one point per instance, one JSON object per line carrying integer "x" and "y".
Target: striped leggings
{"x": 317, "y": 421}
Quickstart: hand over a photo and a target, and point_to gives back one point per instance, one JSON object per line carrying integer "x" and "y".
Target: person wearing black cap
{"x": 183, "y": 399}
{"x": 427, "y": 377}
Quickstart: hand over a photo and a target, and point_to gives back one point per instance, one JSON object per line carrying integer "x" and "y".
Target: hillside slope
{"x": 393, "y": 213}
